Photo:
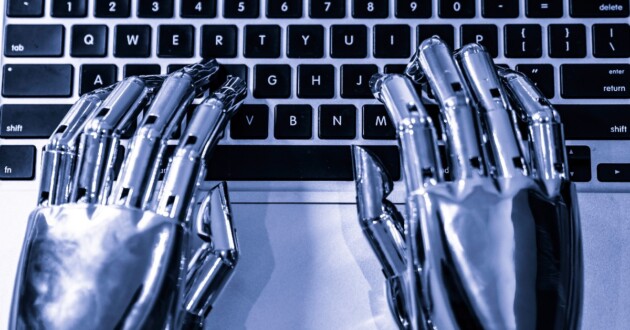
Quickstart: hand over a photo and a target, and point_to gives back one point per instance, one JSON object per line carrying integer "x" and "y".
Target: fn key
{"x": 17, "y": 162}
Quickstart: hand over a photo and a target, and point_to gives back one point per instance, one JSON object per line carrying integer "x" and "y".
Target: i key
{"x": 567, "y": 40}
{"x": 611, "y": 40}
{"x": 392, "y": 41}
{"x": 69, "y": 8}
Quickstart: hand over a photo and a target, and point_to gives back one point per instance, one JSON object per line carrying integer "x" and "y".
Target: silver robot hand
{"x": 498, "y": 246}
{"x": 101, "y": 253}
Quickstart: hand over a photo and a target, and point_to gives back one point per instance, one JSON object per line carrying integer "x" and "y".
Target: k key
{"x": 250, "y": 122}
{"x": 567, "y": 40}
{"x": 523, "y": 40}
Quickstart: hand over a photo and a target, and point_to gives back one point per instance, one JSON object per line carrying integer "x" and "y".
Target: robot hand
{"x": 497, "y": 246}
{"x": 105, "y": 254}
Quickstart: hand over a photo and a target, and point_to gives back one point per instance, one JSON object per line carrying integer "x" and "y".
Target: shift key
{"x": 37, "y": 80}
{"x": 583, "y": 81}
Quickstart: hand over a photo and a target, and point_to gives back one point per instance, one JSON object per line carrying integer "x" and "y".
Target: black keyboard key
{"x": 355, "y": 80}
{"x": 348, "y": 41}
{"x": 293, "y": 121}
{"x": 262, "y": 41}
{"x": 595, "y": 121}
{"x": 236, "y": 70}
{"x": 94, "y": 76}
{"x": 37, "y": 80}
{"x": 611, "y": 40}
{"x": 198, "y": 8}
{"x": 595, "y": 81}
{"x": 305, "y": 41}
{"x": 284, "y": 8}
{"x": 141, "y": 70}
{"x": 579, "y": 159}
{"x": 155, "y": 8}
{"x": 613, "y": 172}
{"x": 485, "y": 35}
{"x": 445, "y": 32}
{"x": 413, "y": 8}
{"x": 541, "y": 75}
{"x": 272, "y": 81}
{"x": 112, "y": 8}
{"x": 132, "y": 41}
{"x": 316, "y": 81}
{"x": 370, "y": 8}
{"x": 250, "y": 122}
{"x": 523, "y": 40}
{"x": 499, "y": 8}
{"x": 21, "y": 8}
{"x": 174, "y": 67}
{"x": 376, "y": 123}
{"x": 219, "y": 41}
{"x": 337, "y": 121}
{"x": 17, "y": 162}
{"x": 327, "y": 8}
{"x": 69, "y": 8}
{"x": 599, "y": 8}
{"x": 392, "y": 41}
{"x": 176, "y": 40}
{"x": 33, "y": 40}
{"x": 456, "y": 8}
{"x": 241, "y": 9}
{"x": 30, "y": 120}
{"x": 567, "y": 40}
{"x": 543, "y": 8}
{"x": 89, "y": 41}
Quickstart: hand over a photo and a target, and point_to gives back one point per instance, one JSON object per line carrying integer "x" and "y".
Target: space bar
{"x": 291, "y": 163}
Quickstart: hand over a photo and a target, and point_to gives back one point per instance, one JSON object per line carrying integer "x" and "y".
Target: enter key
{"x": 582, "y": 81}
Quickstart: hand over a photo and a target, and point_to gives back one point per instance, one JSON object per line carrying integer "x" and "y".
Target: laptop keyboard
{"x": 308, "y": 63}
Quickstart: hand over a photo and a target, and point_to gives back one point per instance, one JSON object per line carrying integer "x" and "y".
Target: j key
{"x": 392, "y": 41}
{"x": 284, "y": 8}
{"x": 250, "y": 122}
{"x": 17, "y": 162}
{"x": 218, "y": 41}
{"x": 523, "y": 41}
{"x": 327, "y": 8}
{"x": 262, "y": 41}
{"x": 112, "y": 8}
{"x": 69, "y": 8}
{"x": 141, "y": 70}
{"x": 499, "y": 8}
{"x": 236, "y": 70}
{"x": 37, "y": 80}
{"x": 485, "y": 35}
{"x": 94, "y": 76}
{"x": 316, "y": 81}
{"x": 355, "y": 80}
{"x": 613, "y": 172}
{"x": 370, "y": 8}
{"x": 305, "y": 41}
{"x": 413, "y": 8}
{"x": 176, "y": 40}
{"x": 241, "y": 8}
{"x": 293, "y": 121}
{"x": 456, "y": 8}
{"x": 89, "y": 41}
{"x": 595, "y": 80}
{"x": 599, "y": 8}
{"x": 155, "y": 8}
{"x": 376, "y": 123}
{"x": 541, "y": 75}
{"x": 567, "y": 40}
{"x": 132, "y": 41}
{"x": 595, "y": 121}
{"x": 348, "y": 41}
{"x": 543, "y": 8}
{"x": 579, "y": 159}
{"x": 611, "y": 40}
{"x": 198, "y": 8}
{"x": 337, "y": 121}
{"x": 21, "y": 8}
{"x": 34, "y": 40}
{"x": 445, "y": 32}
{"x": 30, "y": 120}
{"x": 272, "y": 81}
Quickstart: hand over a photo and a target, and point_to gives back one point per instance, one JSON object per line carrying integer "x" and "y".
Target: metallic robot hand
{"x": 105, "y": 254}
{"x": 497, "y": 246}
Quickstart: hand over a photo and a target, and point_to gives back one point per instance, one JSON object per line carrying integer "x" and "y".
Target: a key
{"x": 595, "y": 121}
{"x": 392, "y": 41}
{"x": 355, "y": 80}
{"x": 141, "y": 70}
{"x": 595, "y": 80}
{"x": 543, "y": 8}
{"x": 456, "y": 8}
{"x": 337, "y": 121}
{"x": 250, "y": 122}
{"x": 89, "y": 41}
{"x": 611, "y": 40}
{"x": 30, "y": 120}
{"x": 413, "y": 8}
{"x": 327, "y": 8}
{"x": 370, "y": 8}
{"x": 262, "y": 41}
{"x": 33, "y": 40}
{"x": 579, "y": 159}
{"x": 499, "y": 8}
{"x": 316, "y": 81}
{"x": 485, "y": 35}
{"x": 567, "y": 40}
{"x": 599, "y": 8}
{"x": 219, "y": 41}
{"x": 376, "y": 123}
{"x": 293, "y": 121}
{"x": 272, "y": 81}
{"x": 613, "y": 172}
{"x": 523, "y": 40}
{"x": 444, "y": 31}
{"x": 17, "y": 162}
{"x": 284, "y": 8}
{"x": 94, "y": 76}
{"x": 21, "y": 8}
{"x": 542, "y": 76}
{"x": 155, "y": 8}
{"x": 348, "y": 41}
{"x": 305, "y": 41}
{"x": 37, "y": 80}
{"x": 69, "y": 8}
{"x": 132, "y": 41}
{"x": 112, "y": 8}
{"x": 176, "y": 41}
{"x": 198, "y": 9}
{"x": 241, "y": 8}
